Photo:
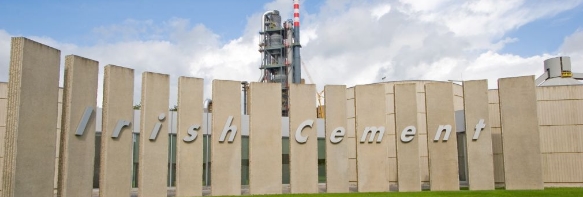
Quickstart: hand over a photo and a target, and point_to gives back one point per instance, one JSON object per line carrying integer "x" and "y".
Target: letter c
{"x": 299, "y": 138}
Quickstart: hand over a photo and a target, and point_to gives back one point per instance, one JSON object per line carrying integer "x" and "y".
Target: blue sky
{"x": 344, "y": 41}
{"x": 75, "y": 21}
{"x": 545, "y": 35}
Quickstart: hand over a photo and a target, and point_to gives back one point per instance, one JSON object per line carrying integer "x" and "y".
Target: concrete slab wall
{"x": 479, "y": 145}
{"x": 116, "y": 152}
{"x": 337, "y": 167}
{"x": 153, "y": 168}
{"x": 264, "y": 131}
{"x": 303, "y": 155}
{"x": 443, "y": 156}
{"x": 372, "y": 155}
{"x": 31, "y": 116}
{"x": 77, "y": 147}
{"x": 407, "y": 151}
{"x": 520, "y": 133}
{"x": 189, "y": 137}
{"x": 557, "y": 120}
{"x": 226, "y": 155}
{"x": 560, "y": 121}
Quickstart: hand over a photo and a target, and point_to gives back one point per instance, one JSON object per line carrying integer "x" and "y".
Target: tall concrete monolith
{"x": 153, "y": 166}
{"x": 265, "y": 145}
{"x": 303, "y": 139}
{"x": 77, "y": 147}
{"x": 407, "y": 137}
{"x": 520, "y": 133}
{"x": 441, "y": 137}
{"x": 189, "y": 137}
{"x": 116, "y": 132}
{"x": 226, "y": 138}
{"x": 478, "y": 135}
{"x": 337, "y": 170}
{"x": 372, "y": 154}
{"x": 30, "y": 141}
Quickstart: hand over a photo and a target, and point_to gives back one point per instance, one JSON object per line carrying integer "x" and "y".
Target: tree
{"x": 138, "y": 106}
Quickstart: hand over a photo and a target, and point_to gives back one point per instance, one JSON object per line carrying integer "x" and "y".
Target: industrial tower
{"x": 558, "y": 72}
{"x": 280, "y": 52}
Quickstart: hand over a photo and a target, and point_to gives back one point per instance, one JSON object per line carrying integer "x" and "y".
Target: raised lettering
{"x": 157, "y": 127}
{"x": 337, "y": 135}
{"x": 84, "y": 120}
{"x": 228, "y": 127}
{"x": 373, "y": 131}
{"x": 408, "y": 134}
{"x": 446, "y": 128}
{"x": 120, "y": 125}
{"x": 191, "y": 133}
{"x": 299, "y": 138}
{"x": 479, "y": 127}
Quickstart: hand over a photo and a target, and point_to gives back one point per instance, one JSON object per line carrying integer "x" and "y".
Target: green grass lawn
{"x": 575, "y": 192}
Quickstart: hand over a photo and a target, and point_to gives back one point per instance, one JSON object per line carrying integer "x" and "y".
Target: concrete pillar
{"x": 264, "y": 139}
{"x": 153, "y": 168}
{"x": 226, "y": 149}
{"x": 32, "y": 113}
{"x": 443, "y": 156}
{"x": 303, "y": 140}
{"x": 478, "y": 135}
{"x": 407, "y": 138}
{"x": 371, "y": 150}
{"x": 520, "y": 133}
{"x": 337, "y": 170}
{"x": 77, "y": 147}
{"x": 189, "y": 137}
{"x": 116, "y": 132}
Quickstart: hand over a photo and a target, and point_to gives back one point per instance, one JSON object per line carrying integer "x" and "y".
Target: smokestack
{"x": 296, "y": 13}
{"x": 297, "y": 62}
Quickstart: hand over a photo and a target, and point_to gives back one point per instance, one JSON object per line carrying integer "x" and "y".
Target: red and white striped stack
{"x": 296, "y": 13}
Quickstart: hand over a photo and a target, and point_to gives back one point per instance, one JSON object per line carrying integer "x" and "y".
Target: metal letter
{"x": 408, "y": 134}
{"x": 337, "y": 135}
{"x": 192, "y": 133}
{"x": 479, "y": 127}
{"x": 84, "y": 120}
{"x": 157, "y": 127}
{"x": 228, "y": 128}
{"x": 446, "y": 128}
{"x": 373, "y": 131}
{"x": 120, "y": 125}
{"x": 299, "y": 138}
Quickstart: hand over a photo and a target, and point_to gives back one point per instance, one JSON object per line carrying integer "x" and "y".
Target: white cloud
{"x": 440, "y": 40}
{"x": 572, "y": 47}
{"x": 344, "y": 42}
{"x": 424, "y": 5}
{"x": 380, "y": 11}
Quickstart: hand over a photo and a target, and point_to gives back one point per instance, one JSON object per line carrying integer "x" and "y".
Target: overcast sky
{"x": 344, "y": 42}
